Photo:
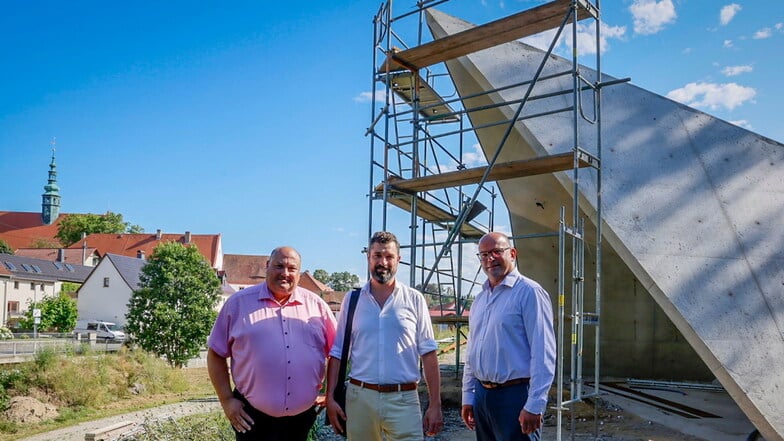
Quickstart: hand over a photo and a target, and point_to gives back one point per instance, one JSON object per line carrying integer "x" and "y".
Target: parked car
{"x": 103, "y": 330}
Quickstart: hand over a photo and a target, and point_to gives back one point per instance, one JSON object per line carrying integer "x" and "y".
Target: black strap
{"x": 352, "y": 305}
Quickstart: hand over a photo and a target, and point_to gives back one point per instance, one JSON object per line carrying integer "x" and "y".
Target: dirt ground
{"x": 612, "y": 423}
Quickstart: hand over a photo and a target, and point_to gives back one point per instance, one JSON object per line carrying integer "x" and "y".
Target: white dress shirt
{"x": 511, "y": 336}
{"x": 386, "y": 342}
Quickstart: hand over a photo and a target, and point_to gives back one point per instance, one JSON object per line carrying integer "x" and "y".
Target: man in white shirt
{"x": 511, "y": 350}
{"x": 391, "y": 332}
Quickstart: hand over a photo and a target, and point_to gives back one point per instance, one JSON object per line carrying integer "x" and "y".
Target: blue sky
{"x": 247, "y": 118}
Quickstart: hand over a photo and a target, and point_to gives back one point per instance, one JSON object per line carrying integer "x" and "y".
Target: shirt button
{"x": 289, "y": 378}
{"x": 287, "y": 346}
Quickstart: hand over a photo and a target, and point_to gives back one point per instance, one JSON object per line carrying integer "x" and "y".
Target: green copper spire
{"x": 50, "y": 206}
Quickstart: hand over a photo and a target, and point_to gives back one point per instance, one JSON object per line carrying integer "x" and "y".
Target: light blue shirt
{"x": 511, "y": 336}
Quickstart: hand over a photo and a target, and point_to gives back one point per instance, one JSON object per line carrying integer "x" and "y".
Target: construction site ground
{"x": 624, "y": 414}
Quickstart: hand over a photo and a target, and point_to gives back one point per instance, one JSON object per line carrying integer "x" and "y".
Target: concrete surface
{"x": 692, "y": 208}
{"x": 710, "y": 415}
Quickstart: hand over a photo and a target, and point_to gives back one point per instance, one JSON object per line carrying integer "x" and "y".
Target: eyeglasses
{"x": 495, "y": 252}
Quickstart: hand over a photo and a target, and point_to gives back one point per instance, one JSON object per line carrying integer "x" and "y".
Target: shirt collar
{"x": 266, "y": 294}
{"x": 508, "y": 281}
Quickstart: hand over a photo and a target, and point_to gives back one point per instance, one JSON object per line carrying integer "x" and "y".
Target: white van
{"x": 102, "y": 329}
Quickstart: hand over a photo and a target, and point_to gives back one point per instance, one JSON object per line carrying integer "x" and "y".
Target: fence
{"x": 24, "y": 348}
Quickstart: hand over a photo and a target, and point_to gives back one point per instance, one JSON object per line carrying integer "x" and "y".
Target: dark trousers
{"x": 497, "y": 413}
{"x": 269, "y": 428}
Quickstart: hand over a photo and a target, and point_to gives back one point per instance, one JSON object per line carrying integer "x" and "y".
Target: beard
{"x": 382, "y": 274}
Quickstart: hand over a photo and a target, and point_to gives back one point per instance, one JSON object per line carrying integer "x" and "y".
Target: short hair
{"x": 384, "y": 237}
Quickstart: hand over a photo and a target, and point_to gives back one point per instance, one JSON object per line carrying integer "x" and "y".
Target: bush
{"x": 6, "y": 334}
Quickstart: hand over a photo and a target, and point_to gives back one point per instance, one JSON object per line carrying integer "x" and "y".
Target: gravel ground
{"x": 454, "y": 430}
{"x": 176, "y": 410}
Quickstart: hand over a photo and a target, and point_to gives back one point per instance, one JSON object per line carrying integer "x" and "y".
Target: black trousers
{"x": 269, "y": 428}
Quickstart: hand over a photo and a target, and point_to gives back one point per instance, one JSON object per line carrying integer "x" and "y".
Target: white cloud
{"x": 728, "y": 13}
{"x": 686, "y": 51}
{"x": 727, "y": 43}
{"x": 712, "y": 95}
{"x": 742, "y": 123}
{"x": 366, "y": 97}
{"x": 762, "y": 34}
{"x": 475, "y": 158}
{"x": 731, "y": 71}
{"x": 650, "y": 16}
{"x": 779, "y": 26}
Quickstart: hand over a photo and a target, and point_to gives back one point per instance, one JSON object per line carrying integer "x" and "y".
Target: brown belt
{"x": 491, "y": 385}
{"x": 384, "y": 387}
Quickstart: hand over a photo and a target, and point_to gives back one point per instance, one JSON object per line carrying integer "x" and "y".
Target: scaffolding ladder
{"x": 418, "y": 138}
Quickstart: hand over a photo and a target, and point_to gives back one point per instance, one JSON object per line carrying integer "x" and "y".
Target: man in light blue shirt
{"x": 511, "y": 350}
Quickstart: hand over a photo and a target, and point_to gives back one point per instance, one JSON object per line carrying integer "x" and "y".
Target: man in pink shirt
{"x": 277, "y": 336}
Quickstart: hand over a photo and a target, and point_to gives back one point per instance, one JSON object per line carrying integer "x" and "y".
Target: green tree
{"x": 343, "y": 281}
{"x": 322, "y": 276}
{"x": 58, "y": 314}
{"x": 6, "y": 249}
{"x": 435, "y": 296}
{"x": 172, "y": 313}
{"x": 69, "y": 288}
{"x": 71, "y": 228}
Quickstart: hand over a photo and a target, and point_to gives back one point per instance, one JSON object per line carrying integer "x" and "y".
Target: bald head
{"x": 283, "y": 272}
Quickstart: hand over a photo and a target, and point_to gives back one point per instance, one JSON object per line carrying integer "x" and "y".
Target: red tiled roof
{"x": 244, "y": 269}
{"x": 447, "y": 310}
{"x": 334, "y": 296}
{"x": 72, "y": 255}
{"x": 20, "y": 229}
{"x": 129, "y": 245}
{"x": 307, "y": 281}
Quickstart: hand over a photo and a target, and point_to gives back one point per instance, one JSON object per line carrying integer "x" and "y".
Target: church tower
{"x": 50, "y": 205}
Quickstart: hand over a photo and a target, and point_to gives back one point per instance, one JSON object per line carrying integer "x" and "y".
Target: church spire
{"x": 50, "y": 206}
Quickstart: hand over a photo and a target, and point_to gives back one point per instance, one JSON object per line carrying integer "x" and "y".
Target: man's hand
{"x": 333, "y": 412}
{"x": 467, "y": 412}
{"x": 433, "y": 422}
{"x": 529, "y": 422}
{"x": 235, "y": 412}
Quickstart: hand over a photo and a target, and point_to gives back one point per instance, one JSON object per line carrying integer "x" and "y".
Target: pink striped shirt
{"x": 277, "y": 352}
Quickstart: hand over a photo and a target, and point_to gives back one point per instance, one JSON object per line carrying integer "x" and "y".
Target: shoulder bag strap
{"x": 352, "y": 305}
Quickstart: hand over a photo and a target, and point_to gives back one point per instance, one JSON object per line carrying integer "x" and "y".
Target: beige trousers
{"x": 376, "y": 416}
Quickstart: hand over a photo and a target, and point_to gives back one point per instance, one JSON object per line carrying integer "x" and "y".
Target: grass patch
{"x": 207, "y": 427}
{"x": 93, "y": 386}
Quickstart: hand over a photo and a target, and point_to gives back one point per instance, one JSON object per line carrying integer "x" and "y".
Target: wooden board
{"x": 513, "y": 27}
{"x": 427, "y": 210}
{"x": 506, "y": 170}
{"x": 431, "y": 106}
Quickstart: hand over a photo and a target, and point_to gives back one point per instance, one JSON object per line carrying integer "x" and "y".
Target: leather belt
{"x": 491, "y": 385}
{"x": 384, "y": 388}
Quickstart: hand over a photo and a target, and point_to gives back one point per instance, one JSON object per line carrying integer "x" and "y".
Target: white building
{"x": 25, "y": 280}
{"x": 106, "y": 292}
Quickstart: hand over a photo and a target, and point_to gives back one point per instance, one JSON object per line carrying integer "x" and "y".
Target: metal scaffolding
{"x": 424, "y": 175}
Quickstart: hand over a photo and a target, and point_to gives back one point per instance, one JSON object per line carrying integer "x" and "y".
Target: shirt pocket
{"x": 310, "y": 334}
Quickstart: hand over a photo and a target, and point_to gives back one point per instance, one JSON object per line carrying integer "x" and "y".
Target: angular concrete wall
{"x": 692, "y": 208}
